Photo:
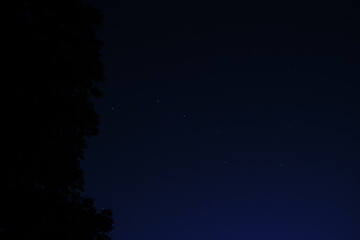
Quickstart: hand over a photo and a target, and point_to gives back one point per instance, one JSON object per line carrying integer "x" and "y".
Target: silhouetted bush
{"x": 52, "y": 70}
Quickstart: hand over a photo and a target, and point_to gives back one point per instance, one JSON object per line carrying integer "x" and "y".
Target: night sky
{"x": 229, "y": 122}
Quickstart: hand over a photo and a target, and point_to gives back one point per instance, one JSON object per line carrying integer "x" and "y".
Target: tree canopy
{"x": 54, "y": 69}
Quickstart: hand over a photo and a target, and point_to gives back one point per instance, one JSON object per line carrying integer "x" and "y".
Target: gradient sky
{"x": 229, "y": 122}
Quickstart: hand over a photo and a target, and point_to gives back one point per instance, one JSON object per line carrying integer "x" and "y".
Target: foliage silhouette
{"x": 54, "y": 67}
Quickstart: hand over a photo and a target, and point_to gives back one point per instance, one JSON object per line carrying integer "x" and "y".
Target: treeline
{"x": 52, "y": 68}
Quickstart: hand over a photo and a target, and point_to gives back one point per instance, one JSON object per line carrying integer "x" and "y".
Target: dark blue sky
{"x": 229, "y": 122}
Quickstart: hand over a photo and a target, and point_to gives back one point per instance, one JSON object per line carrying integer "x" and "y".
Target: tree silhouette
{"x": 54, "y": 67}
